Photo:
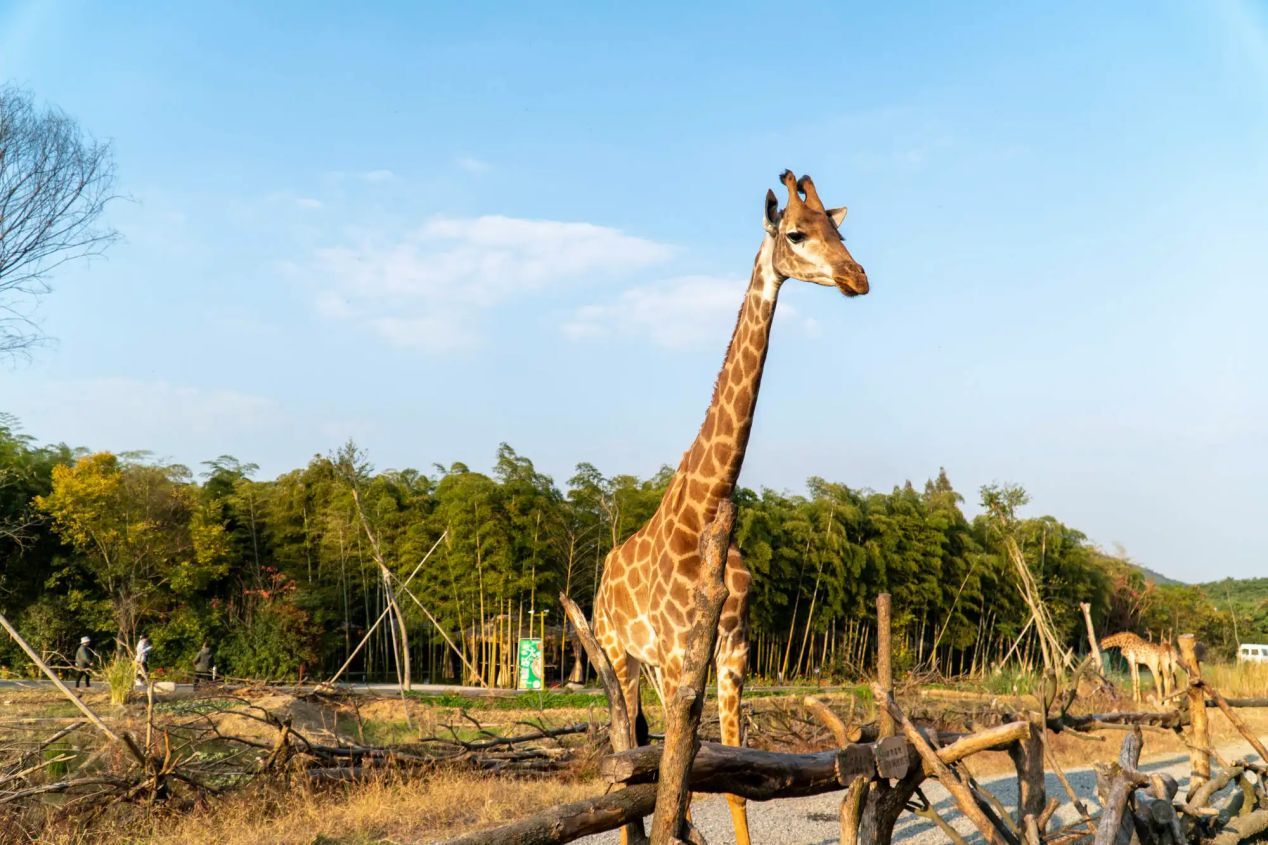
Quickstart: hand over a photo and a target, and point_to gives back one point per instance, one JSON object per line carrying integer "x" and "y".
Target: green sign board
{"x": 531, "y": 670}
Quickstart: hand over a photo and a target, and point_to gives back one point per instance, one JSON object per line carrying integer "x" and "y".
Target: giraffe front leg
{"x": 731, "y": 663}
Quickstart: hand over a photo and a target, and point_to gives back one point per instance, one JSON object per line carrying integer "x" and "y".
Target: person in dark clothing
{"x": 83, "y": 660}
{"x": 202, "y": 665}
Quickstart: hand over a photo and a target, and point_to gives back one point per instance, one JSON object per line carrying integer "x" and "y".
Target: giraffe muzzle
{"x": 853, "y": 282}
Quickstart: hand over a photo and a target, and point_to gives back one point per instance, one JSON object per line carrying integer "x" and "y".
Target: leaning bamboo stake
{"x": 1200, "y": 759}
{"x": 684, "y": 706}
{"x": 950, "y": 780}
{"x": 125, "y": 738}
{"x": 1237, "y": 721}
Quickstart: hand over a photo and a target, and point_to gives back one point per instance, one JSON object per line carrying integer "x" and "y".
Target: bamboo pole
{"x": 379, "y": 621}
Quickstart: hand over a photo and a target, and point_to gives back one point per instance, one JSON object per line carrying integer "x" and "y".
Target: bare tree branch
{"x": 54, "y": 185}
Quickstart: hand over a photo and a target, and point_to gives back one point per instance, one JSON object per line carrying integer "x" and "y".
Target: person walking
{"x": 203, "y": 665}
{"x": 143, "y": 649}
{"x": 83, "y": 660}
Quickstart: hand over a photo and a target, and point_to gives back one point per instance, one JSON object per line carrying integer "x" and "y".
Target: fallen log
{"x": 763, "y": 775}
{"x": 1242, "y": 828}
{"x": 570, "y": 821}
{"x": 747, "y": 772}
{"x": 1169, "y": 719}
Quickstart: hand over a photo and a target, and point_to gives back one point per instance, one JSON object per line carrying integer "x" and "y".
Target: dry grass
{"x": 1237, "y": 679}
{"x": 363, "y": 814}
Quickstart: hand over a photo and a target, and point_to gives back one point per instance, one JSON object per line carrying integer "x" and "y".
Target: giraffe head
{"x": 807, "y": 238}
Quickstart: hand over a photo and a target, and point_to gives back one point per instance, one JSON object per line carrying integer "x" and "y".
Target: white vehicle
{"x": 1253, "y": 652}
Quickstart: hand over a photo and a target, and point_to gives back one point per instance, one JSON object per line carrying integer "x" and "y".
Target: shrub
{"x": 120, "y": 672}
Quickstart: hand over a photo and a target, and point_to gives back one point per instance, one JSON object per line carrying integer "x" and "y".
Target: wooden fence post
{"x": 1199, "y": 730}
{"x": 884, "y": 668}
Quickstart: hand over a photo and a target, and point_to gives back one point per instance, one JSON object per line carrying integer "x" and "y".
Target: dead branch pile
{"x": 883, "y": 777}
{"x": 198, "y": 749}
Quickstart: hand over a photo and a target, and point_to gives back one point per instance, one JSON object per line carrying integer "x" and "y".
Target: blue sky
{"x": 435, "y": 227}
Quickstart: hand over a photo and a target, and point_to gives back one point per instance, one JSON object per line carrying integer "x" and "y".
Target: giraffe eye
{"x": 796, "y": 237}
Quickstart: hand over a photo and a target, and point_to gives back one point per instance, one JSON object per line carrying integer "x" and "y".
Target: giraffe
{"x": 640, "y": 613}
{"x": 1160, "y": 658}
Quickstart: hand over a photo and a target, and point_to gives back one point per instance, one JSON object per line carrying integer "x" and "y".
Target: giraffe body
{"x": 1159, "y": 658}
{"x": 641, "y": 614}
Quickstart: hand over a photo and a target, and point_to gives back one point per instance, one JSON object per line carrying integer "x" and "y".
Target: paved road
{"x": 814, "y": 820}
{"x": 363, "y": 689}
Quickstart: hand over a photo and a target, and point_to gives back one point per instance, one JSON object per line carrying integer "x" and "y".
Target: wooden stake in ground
{"x": 1200, "y": 732}
{"x": 1091, "y": 636}
{"x": 682, "y": 716}
{"x": 884, "y": 670}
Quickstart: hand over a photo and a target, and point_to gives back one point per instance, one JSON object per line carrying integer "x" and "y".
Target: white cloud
{"x": 309, "y": 203}
{"x": 471, "y": 164}
{"x": 378, "y": 176}
{"x": 428, "y": 288}
{"x": 674, "y": 313}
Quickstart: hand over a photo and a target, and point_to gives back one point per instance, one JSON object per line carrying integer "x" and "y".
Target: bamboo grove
{"x": 283, "y": 575}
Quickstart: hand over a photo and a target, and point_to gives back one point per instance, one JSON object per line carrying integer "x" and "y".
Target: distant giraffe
{"x": 641, "y": 614}
{"x": 1160, "y": 658}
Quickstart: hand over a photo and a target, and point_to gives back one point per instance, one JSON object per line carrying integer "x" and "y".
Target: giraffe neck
{"x": 711, "y": 467}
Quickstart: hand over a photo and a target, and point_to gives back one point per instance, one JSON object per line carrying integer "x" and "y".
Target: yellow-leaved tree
{"x": 141, "y": 530}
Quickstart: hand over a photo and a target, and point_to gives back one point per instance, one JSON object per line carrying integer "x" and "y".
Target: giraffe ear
{"x": 837, "y": 215}
{"x": 770, "y": 219}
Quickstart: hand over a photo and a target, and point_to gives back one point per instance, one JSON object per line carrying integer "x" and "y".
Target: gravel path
{"x": 813, "y": 821}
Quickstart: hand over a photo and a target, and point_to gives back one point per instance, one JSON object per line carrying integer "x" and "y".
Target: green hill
{"x": 1156, "y": 577}
{"x": 1248, "y": 597}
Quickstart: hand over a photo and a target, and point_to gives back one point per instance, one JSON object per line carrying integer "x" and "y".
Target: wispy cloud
{"x": 310, "y": 203}
{"x": 428, "y": 288}
{"x": 471, "y": 164}
{"x": 673, "y": 313}
{"x": 378, "y": 176}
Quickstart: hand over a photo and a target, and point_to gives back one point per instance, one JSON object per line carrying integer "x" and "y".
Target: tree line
{"x": 287, "y": 575}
